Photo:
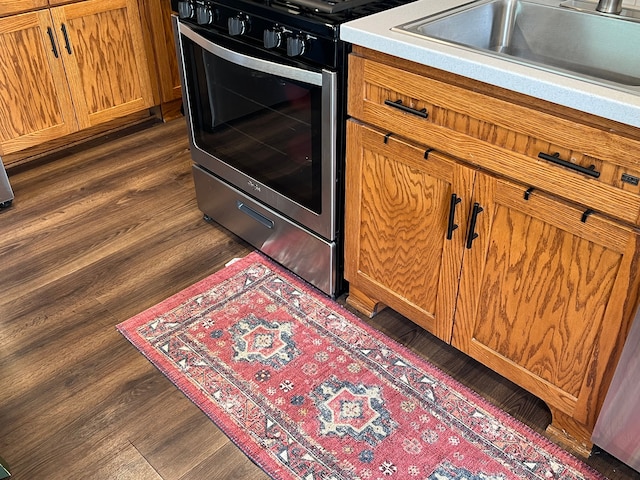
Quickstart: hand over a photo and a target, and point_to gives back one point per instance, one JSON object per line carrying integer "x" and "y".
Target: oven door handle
{"x": 286, "y": 71}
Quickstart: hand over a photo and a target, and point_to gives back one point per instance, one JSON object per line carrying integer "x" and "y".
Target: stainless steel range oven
{"x": 265, "y": 101}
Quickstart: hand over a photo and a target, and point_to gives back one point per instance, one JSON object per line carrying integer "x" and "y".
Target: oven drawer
{"x": 584, "y": 163}
{"x": 299, "y": 250}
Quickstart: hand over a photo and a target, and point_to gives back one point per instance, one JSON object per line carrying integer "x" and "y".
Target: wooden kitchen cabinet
{"x": 397, "y": 211}
{"x": 35, "y": 103}
{"x": 502, "y": 134}
{"x": 158, "y": 32}
{"x": 539, "y": 279}
{"x": 68, "y": 68}
{"x": 104, "y": 58}
{"x": 542, "y": 298}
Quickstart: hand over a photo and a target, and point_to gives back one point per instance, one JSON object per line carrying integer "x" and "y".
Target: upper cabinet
{"x": 68, "y": 68}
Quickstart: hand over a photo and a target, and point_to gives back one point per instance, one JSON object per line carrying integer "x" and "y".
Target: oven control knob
{"x": 296, "y": 46}
{"x": 272, "y": 38}
{"x": 205, "y": 15}
{"x": 185, "y": 9}
{"x": 238, "y": 25}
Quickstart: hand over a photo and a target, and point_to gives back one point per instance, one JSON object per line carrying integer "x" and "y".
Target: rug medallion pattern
{"x": 309, "y": 391}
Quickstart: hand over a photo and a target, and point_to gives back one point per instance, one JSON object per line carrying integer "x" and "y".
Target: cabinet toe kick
{"x": 569, "y": 434}
{"x": 364, "y": 303}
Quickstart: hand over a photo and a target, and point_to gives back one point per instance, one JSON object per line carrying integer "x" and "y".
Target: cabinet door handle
{"x": 67, "y": 43}
{"x": 54, "y": 49}
{"x": 455, "y": 200}
{"x": 472, "y": 224}
{"x": 555, "y": 158}
{"x": 398, "y": 104}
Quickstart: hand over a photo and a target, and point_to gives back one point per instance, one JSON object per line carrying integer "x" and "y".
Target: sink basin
{"x": 580, "y": 44}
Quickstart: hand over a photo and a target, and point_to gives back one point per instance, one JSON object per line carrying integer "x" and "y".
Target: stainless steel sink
{"x": 602, "y": 49}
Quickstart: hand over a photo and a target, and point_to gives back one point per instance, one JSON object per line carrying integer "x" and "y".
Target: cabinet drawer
{"x": 591, "y": 166}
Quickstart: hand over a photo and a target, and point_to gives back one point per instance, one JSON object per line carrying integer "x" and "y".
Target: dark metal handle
{"x": 452, "y": 215}
{"x": 67, "y": 44}
{"x": 53, "y": 42}
{"x": 472, "y": 225}
{"x": 555, "y": 158}
{"x": 255, "y": 215}
{"x": 398, "y": 104}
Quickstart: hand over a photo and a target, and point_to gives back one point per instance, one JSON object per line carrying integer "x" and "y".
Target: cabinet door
{"x": 159, "y": 14}
{"x": 35, "y": 105}
{"x": 398, "y": 200}
{"x": 104, "y": 58}
{"x": 546, "y": 298}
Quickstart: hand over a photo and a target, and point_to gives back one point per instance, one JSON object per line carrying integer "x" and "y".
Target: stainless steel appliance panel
{"x": 307, "y": 255}
{"x": 223, "y": 99}
{"x": 6, "y": 193}
{"x": 618, "y": 427}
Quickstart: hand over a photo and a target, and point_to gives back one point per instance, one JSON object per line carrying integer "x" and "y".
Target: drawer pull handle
{"x": 398, "y": 104}
{"x": 555, "y": 158}
{"x": 455, "y": 200}
{"x": 255, "y": 215}
{"x": 528, "y": 193}
{"x": 472, "y": 225}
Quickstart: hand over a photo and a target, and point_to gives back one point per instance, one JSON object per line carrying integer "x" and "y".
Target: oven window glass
{"x": 264, "y": 125}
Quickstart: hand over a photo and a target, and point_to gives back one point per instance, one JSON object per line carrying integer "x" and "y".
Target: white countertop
{"x": 374, "y": 32}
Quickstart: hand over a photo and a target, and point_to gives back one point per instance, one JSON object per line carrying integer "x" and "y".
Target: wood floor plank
{"x": 109, "y": 409}
{"x": 114, "y": 460}
{"x": 95, "y": 236}
{"x": 176, "y": 445}
{"x": 54, "y": 256}
{"x": 224, "y": 464}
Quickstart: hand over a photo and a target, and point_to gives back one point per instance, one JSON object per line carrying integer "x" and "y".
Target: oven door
{"x": 266, "y": 127}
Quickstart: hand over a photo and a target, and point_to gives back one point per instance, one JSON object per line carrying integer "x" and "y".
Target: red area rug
{"x": 309, "y": 391}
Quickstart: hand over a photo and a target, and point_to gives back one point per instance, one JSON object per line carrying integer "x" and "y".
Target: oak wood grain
{"x": 396, "y": 219}
{"x": 490, "y": 132}
{"x": 106, "y": 62}
{"x": 35, "y": 104}
{"x": 159, "y": 31}
{"x": 69, "y": 68}
{"x": 10, "y": 7}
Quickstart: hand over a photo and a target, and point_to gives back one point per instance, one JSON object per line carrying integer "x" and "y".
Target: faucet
{"x": 609, "y": 6}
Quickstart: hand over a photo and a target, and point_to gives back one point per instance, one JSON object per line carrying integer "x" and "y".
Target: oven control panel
{"x": 264, "y": 27}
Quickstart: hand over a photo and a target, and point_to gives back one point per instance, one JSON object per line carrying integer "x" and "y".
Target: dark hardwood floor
{"x": 96, "y": 235}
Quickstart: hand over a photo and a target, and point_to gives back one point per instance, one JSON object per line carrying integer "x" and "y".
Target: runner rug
{"x": 309, "y": 391}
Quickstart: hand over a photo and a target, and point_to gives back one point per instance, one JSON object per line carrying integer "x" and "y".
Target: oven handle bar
{"x": 286, "y": 71}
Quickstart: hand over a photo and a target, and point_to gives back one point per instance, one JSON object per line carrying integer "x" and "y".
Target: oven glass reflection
{"x": 266, "y": 126}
